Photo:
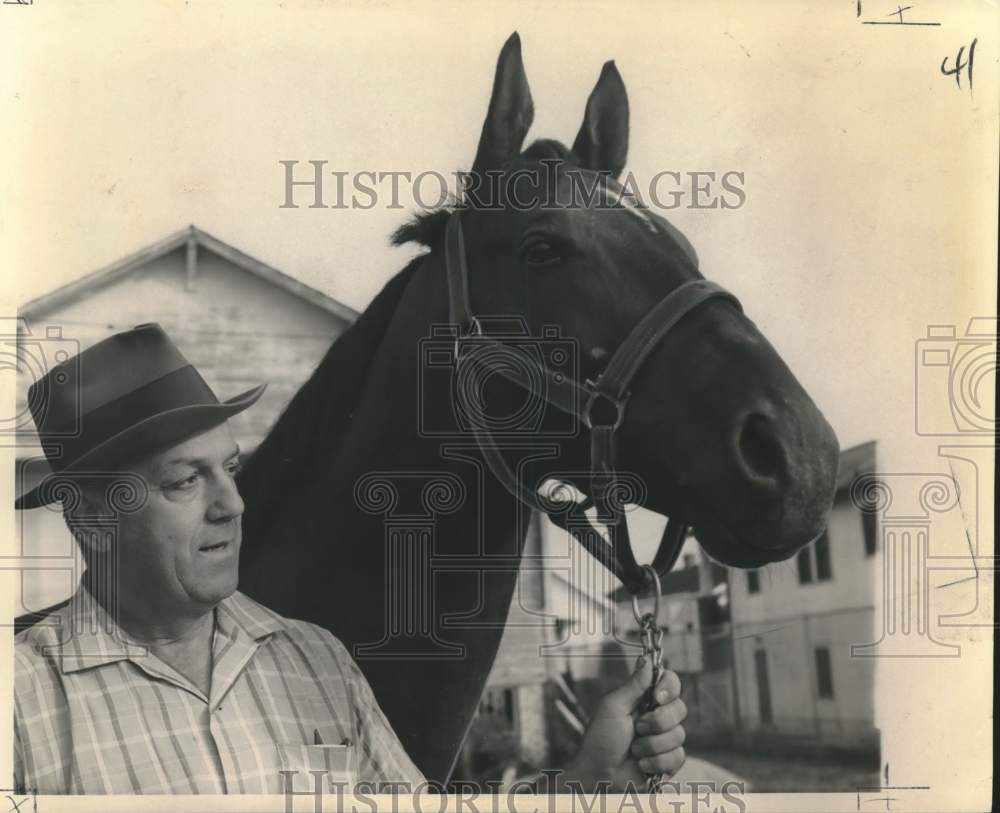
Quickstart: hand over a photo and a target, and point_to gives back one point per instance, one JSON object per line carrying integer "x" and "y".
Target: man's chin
{"x": 211, "y": 593}
{"x": 228, "y": 590}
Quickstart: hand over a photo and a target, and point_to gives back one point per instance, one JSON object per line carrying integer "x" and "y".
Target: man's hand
{"x": 623, "y": 745}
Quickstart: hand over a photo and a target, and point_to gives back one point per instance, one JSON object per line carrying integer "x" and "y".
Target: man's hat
{"x": 118, "y": 401}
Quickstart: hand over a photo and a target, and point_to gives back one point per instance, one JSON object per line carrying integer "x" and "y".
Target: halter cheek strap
{"x": 585, "y": 401}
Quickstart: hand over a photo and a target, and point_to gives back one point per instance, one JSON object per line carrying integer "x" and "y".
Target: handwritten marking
{"x": 887, "y": 799}
{"x": 18, "y": 2}
{"x": 960, "y": 65}
{"x": 15, "y": 806}
{"x": 899, "y": 10}
{"x": 883, "y": 22}
{"x": 897, "y": 13}
{"x": 958, "y": 581}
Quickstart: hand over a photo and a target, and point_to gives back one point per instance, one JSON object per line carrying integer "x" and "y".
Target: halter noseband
{"x": 567, "y": 394}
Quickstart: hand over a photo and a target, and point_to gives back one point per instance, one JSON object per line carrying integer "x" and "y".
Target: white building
{"x": 794, "y": 624}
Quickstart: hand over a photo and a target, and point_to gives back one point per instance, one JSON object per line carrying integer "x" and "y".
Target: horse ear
{"x": 510, "y": 112}
{"x": 602, "y": 143}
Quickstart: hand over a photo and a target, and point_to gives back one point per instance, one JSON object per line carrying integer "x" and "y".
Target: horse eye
{"x": 540, "y": 252}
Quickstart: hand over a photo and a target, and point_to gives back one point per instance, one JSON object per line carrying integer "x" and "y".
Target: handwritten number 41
{"x": 963, "y": 62}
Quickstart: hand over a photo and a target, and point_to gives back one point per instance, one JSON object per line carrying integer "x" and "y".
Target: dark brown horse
{"x": 369, "y": 508}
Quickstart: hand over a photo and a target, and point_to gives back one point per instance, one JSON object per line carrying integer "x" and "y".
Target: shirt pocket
{"x": 301, "y": 762}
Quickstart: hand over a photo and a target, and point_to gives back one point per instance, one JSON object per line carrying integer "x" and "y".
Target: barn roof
{"x": 200, "y": 238}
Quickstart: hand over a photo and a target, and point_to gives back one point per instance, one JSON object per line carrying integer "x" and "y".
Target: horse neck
{"x": 359, "y": 416}
{"x": 385, "y": 424}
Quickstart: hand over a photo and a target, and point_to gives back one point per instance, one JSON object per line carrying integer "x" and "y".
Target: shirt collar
{"x": 254, "y": 619}
{"x": 85, "y": 635}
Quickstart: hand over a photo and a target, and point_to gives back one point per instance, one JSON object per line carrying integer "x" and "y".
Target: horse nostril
{"x": 760, "y": 450}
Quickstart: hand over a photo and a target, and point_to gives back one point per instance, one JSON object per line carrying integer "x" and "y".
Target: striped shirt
{"x": 95, "y": 713}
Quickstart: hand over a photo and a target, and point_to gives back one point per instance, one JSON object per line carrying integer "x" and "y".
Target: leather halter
{"x": 570, "y": 396}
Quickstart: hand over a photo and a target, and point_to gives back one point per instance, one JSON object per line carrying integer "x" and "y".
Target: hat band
{"x": 181, "y": 388}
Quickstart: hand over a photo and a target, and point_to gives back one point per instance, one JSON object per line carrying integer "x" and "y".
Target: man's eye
{"x": 182, "y": 485}
{"x": 234, "y": 468}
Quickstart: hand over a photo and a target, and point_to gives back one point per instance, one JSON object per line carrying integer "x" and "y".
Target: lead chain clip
{"x": 651, "y": 634}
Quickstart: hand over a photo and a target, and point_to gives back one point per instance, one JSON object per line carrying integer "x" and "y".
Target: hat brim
{"x": 158, "y": 431}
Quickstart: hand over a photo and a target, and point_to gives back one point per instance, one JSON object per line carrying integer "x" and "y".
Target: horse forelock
{"x": 426, "y": 228}
{"x": 548, "y": 149}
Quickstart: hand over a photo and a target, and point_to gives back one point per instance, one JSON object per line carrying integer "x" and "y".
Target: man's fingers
{"x": 668, "y": 763}
{"x": 662, "y": 718}
{"x": 623, "y": 699}
{"x": 671, "y": 683}
{"x": 655, "y": 744}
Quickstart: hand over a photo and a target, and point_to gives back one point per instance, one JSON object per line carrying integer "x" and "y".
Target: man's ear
{"x": 602, "y": 143}
{"x": 79, "y": 512}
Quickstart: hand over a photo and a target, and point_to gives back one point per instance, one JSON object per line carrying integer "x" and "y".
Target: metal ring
{"x": 592, "y": 399}
{"x": 655, "y": 579}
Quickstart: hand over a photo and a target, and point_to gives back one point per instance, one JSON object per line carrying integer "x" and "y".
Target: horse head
{"x": 717, "y": 427}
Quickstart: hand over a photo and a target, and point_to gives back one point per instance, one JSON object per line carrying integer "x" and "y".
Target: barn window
{"x": 869, "y": 528}
{"x": 753, "y": 581}
{"x": 814, "y": 562}
{"x": 821, "y": 549}
{"x": 804, "y": 561}
{"x": 499, "y": 704}
{"x": 824, "y": 673}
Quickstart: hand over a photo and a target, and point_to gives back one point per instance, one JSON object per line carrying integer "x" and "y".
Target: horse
{"x": 373, "y": 508}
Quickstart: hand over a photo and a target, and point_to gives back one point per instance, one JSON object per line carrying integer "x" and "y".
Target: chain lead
{"x": 651, "y": 635}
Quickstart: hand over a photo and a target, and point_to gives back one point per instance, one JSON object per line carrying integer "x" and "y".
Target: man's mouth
{"x": 215, "y": 547}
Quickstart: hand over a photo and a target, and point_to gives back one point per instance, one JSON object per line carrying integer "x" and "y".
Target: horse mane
{"x": 424, "y": 228}
{"x": 291, "y": 454}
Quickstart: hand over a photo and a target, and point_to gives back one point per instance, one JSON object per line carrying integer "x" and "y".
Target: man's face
{"x": 181, "y": 549}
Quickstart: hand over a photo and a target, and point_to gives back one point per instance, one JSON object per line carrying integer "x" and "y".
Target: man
{"x": 158, "y": 676}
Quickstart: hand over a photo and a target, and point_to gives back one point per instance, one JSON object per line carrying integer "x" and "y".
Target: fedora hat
{"x": 118, "y": 401}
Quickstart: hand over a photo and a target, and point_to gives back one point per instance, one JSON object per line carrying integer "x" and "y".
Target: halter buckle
{"x": 595, "y": 393}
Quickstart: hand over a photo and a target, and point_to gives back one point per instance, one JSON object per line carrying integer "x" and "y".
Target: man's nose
{"x": 227, "y": 503}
